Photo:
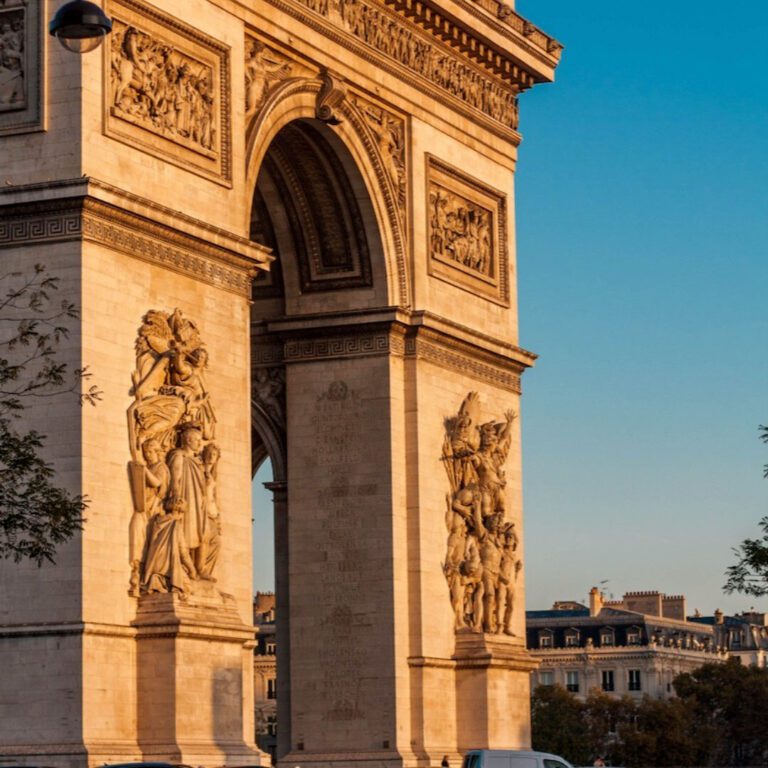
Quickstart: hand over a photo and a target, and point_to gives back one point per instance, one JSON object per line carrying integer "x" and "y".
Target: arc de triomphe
{"x": 289, "y": 227}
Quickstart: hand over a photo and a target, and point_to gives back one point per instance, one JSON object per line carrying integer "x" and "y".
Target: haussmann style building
{"x": 637, "y": 645}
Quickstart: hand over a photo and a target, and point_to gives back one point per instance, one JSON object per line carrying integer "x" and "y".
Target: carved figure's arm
{"x": 176, "y": 467}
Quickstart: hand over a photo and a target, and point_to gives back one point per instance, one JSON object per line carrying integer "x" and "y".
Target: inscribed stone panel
{"x": 467, "y": 232}
{"x": 20, "y": 67}
{"x": 168, "y": 90}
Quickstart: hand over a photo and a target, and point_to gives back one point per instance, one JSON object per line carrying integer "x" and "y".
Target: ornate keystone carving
{"x": 175, "y": 527}
{"x": 481, "y": 562}
{"x": 332, "y": 93}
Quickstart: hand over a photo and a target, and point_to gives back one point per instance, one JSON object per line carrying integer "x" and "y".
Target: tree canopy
{"x": 717, "y": 718}
{"x": 36, "y": 514}
{"x": 750, "y": 573}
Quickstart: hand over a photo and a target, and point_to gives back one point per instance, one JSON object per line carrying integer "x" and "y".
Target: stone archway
{"x": 372, "y": 145}
{"x": 312, "y": 208}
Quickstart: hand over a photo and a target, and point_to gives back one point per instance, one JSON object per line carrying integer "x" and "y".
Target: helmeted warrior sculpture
{"x": 481, "y": 563}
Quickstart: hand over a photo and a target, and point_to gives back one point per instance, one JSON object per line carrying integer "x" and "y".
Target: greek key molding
{"x": 464, "y": 359}
{"x": 74, "y": 219}
{"x": 264, "y": 354}
{"x": 42, "y": 227}
{"x": 360, "y": 345}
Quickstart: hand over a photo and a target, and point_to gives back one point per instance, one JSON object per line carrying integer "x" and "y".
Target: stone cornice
{"x": 391, "y": 330}
{"x": 624, "y": 653}
{"x": 422, "y": 60}
{"x": 60, "y": 629}
{"x": 89, "y": 210}
{"x": 491, "y": 33}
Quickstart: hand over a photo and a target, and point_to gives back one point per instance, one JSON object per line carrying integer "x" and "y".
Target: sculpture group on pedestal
{"x": 481, "y": 563}
{"x": 175, "y": 527}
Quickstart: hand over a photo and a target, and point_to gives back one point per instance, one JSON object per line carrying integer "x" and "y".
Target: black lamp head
{"x": 80, "y": 26}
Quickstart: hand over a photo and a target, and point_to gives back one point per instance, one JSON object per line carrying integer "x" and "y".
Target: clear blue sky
{"x": 642, "y": 238}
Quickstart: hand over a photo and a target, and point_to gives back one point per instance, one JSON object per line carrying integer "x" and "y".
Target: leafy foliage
{"x": 35, "y": 514}
{"x": 557, "y": 724}
{"x": 728, "y": 702}
{"x": 718, "y": 718}
{"x": 750, "y": 573}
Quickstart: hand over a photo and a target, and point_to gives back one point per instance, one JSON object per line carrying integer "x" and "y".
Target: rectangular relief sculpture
{"x": 167, "y": 90}
{"x": 21, "y": 67}
{"x": 467, "y": 232}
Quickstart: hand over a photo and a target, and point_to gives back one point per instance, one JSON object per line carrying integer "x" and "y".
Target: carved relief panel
{"x": 481, "y": 561}
{"x": 20, "y": 67}
{"x": 390, "y": 138}
{"x": 467, "y": 232}
{"x": 419, "y": 53}
{"x": 175, "y": 527}
{"x": 168, "y": 90}
{"x": 264, "y": 69}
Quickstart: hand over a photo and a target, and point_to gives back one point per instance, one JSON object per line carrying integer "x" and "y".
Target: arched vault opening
{"x": 312, "y": 207}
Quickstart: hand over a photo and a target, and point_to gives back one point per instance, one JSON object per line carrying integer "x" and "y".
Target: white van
{"x": 512, "y": 758}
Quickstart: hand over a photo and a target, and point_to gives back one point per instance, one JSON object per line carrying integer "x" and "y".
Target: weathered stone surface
{"x": 357, "y": 159}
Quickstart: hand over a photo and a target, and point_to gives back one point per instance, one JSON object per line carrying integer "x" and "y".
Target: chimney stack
{"x": 595, "y": 601}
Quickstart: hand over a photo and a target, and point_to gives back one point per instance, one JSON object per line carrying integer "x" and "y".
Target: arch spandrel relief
{"x": 376, "y": 134}
{"x": 481, "y": 562}
{"x": 175, "y": 528}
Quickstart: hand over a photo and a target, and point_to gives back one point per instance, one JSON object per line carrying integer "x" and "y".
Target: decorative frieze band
{"x": 425, "y": 58}
{"x": 358, "y": 345}
{"x": 90, "y": 219}
{"x": 439, "y": 348}
{"x": 504, "y": 375}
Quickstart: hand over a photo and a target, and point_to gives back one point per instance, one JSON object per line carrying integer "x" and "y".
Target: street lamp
{"x": 80, "y": 26}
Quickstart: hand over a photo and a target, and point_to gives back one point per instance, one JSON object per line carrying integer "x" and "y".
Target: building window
{"x": 545, "y": 639}
{"x": 547, "y": 678}
{"x": 271, "y": 689}
{"x": 572, "y": 681}
{"x": 271, "y": 648}
{"x": 607, "y": 680}
{"x": 572, "y": 638}
{"x": 633, "y": 681}
{"x": 633, "y": 636}
{"x": 607, "y": 637}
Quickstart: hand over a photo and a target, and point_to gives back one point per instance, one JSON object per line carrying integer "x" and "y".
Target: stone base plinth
{"x": 194, "y": 662}
{"x": 492, "y": 691}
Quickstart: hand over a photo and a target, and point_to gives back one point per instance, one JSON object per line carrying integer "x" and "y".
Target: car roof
{"x": 517, "y": 752}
